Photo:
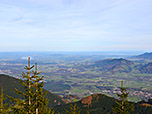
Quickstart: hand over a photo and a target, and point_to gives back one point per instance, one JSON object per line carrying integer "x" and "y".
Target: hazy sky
{"x": 75, "y": 25}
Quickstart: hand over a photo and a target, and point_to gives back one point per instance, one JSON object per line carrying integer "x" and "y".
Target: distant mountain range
{"x": 120, "y": 65}
{"x": 115, "y": 65}
{"x": 96, "y": 103}
{"x": 144, "y": 56}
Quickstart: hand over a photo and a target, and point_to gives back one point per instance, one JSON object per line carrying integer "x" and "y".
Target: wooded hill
{"x": 121, "y": 65}
{"x": 114, "y": 65}
{"x": 144, "y": 56}
{"x": 95, "y": 104}
{"x": 102, "y": 104}
{"x": 10, "y": 83}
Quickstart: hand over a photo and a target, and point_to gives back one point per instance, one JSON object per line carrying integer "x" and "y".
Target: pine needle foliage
{"x": 74, "y": 109}
{"x": 26, "y": 105}
{"x": 34, "y": 98}
{"x": 4, "y": 109}
{"x": 41, "y": 102}
{"x": 122, "y": 106}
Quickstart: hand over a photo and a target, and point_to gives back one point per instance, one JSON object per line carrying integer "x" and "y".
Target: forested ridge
{"x": 30, "y": 92}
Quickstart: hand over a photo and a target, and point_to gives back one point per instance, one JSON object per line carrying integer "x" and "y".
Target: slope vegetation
{"x": 102, "y": 104}
{"x": 9, "y": 83}
{"x": 144, "y": 56}
{"x": 115, "y": 65}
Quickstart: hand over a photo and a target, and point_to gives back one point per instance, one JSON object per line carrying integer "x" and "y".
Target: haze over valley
{"x": 89, "y": 52}
{"x": 78, "y": 75}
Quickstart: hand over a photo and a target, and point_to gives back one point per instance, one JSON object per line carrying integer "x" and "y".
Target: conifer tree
{"x": 4, "y": 109}
{"x": 41, "y": 101}
{"x": 26, "y": 105}
{"x": 122, "y": 106}
{"x": 35, "y": 101}
{"x": 74, "y": 109}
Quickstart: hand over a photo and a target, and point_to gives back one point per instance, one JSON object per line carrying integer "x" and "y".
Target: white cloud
{"x": 94, "y": 25}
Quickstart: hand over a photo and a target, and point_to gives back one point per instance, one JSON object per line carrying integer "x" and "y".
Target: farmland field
{"x": 76, "y": 74}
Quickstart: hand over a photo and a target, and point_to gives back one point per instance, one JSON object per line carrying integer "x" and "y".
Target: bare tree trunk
{"x": 29, "y": 85}
{"x": 36, "y": 86}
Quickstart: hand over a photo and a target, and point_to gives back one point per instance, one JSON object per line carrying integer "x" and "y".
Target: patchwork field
{"x": 81, "y": 75}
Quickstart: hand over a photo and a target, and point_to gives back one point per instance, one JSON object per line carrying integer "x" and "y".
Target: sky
{"x": 75, "y": 25}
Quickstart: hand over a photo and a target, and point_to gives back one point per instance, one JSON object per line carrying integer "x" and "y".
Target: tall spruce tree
{"x": 122, "y": 106}
{"x": 34, "y": 101}
{"x": 25, "y": 105}
{"x": 41, "y": 101}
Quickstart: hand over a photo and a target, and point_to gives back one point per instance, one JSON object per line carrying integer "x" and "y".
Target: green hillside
{"x": 121, "y": 65}
{"x": 9, "y": 83}
{"x": 96, "y": 103}
{"x": 114, "y": 65}
{"x": 102, "y": 104}
{"x": 147, "y": 68}
{"x": 144, "y": 56}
